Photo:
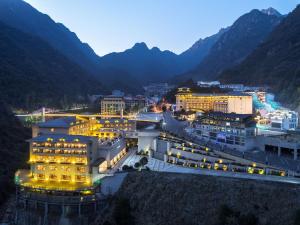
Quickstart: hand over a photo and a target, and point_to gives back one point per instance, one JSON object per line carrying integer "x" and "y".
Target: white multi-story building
{"x": 283, "y": 119}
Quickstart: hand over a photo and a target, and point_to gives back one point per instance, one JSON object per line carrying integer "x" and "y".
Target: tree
{"x": 143, "y": 161}
{"x": 137, "y": 165}
{"x": 122, "y": 212}
{"x": 297, "y": 218}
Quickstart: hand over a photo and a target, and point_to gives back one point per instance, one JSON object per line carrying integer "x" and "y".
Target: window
{"x": 65, "y": 177}
{"x": 41, "y": 176}
{"x": 80, "y": 178}
{"x": 81, "y": 169}
{"x": 52, "y": 168}
{"x": 52, "y": 177}
{"x": 66, "y": 168}
{"x": 40, "y": 167}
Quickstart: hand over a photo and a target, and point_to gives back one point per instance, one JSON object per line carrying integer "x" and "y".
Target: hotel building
{"x": 228, "y": 129}
{"x": 65, "y": 125}
{"x": 239, "y": 103}
{"x": 71, "y": 153}
{"x": 112, "y": 105}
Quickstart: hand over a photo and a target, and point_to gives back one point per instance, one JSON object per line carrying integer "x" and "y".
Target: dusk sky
{"x": 113, "y": 26}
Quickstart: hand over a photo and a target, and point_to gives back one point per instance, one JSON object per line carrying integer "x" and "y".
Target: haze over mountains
{"x": 128, "y": 70}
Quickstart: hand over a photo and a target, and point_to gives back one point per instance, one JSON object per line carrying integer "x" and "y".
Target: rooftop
{"x": 222, "y": 94}
{"x": 65, "y": 137}
{"x": 228, "y": 115}
{"x": 64, "y": 122}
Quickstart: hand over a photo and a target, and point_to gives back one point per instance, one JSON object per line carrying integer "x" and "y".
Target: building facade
{"x": 112, "y": 105}
{"x": 228, "y": 129}
{"x": 239, "y": 103}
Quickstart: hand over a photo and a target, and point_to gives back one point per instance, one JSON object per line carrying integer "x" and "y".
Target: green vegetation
{"x": 13, "y": 149}
{"x": 33, "y": 74}
{"x": 275, "y": 63}
{"x": 122, "y": 212}
{"x": 187, "y": 199}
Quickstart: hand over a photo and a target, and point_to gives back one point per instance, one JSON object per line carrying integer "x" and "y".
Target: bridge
{"x": 144, "y": 117}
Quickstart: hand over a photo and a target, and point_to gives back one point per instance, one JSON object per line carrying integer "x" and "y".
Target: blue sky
{"x": 115, "y": 25}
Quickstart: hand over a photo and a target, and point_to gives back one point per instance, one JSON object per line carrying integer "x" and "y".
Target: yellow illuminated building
{"x": 71, "y": 153}
{"x": 61, "y": 158}
{"x": 239, "y": 103}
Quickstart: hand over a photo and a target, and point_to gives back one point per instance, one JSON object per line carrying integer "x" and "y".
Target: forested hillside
{"x": 13, "y": 150}
{"x": 155, "y": 198}
{"x": 275, "y": 63}
{"x": 33, "y": 74}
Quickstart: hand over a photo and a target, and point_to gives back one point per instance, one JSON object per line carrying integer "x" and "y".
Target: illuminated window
{"x": 40, "y": 167}
{"x": 65, "y": 177}
{"x": 66, "y": 168}
{"x": 52, "y": 177}
{"x": 80, "y": 160}
{"x": 81, "y": 169}
{"x": 52, "y": 168}
{"x": 41, "y": 176}
{"x": 80, "y": 178}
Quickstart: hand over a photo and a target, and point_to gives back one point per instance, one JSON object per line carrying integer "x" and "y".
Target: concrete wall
{"x": 146, "y": 140}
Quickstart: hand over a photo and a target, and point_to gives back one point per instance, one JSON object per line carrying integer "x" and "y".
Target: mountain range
{"x": 237, "y": 42}
{"x": 275, "y": 63}
{"x": 54, "y": 53}
{"x": 33, "y": 74}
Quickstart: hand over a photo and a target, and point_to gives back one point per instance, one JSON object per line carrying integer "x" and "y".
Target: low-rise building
{"x": 228, "y": 129}
{"x": 283, "y": 119}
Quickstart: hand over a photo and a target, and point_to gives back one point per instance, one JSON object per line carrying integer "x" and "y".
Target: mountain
{"x": 195, "y": 54}
{"x": 33, "y": 74}
{"x": 234, "y": 45}
{"x": 144, "y": 64}
{"x": 22, "y": 16}
{"x": 275, "y": 63}
{"x": 13, "y": 150}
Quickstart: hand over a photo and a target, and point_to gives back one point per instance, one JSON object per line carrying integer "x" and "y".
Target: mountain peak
{"x": 140, "y": 45}
{"x": 271, "y": 12}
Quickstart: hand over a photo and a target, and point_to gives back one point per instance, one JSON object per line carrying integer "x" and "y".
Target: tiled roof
{"x": 64, "y": 122}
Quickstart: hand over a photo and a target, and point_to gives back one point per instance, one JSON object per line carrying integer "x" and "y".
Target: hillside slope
{"x": 13, "y": 150}
{"x": 152, "y": 198}
{"x": 276, "y": 62}
{"x": 33, "y": 74}
{"x": 234, "y": 45}
{"x": 199, "y": 50}
{"x": 22, "y": 16}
